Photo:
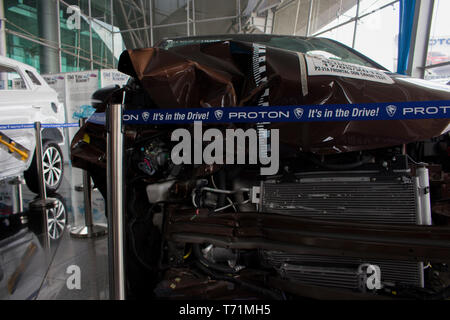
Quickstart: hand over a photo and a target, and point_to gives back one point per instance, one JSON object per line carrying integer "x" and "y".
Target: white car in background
{"x": 26, "y": 98}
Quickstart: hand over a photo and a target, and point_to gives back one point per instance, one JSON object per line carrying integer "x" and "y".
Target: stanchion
{"x": 115, "y": 204}
{"x": 17, "y": 199}
{"x": 42, "y": 202}
{"x": 89, "y": 230}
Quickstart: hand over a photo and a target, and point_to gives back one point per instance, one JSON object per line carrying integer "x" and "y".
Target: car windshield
{"x": 311, "y": 46}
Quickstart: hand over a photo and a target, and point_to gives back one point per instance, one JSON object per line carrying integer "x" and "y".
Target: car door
{"x": 16, "y": 107}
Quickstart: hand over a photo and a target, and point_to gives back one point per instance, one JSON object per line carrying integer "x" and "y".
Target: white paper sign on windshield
{"x": 318, "y": 66}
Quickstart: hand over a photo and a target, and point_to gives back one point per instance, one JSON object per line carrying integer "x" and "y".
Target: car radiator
{"x": 340, "y": 272}
{"x": 363, "y": 197}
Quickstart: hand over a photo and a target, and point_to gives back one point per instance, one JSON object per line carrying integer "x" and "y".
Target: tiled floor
{"x": 45, "y": 274}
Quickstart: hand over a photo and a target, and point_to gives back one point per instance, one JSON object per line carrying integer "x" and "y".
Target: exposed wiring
{"x": 187, "y": 254}
{"x": 193, "y": 199}
{"x": 227, "y": 206}
{"x": 220, "y": 191}
{"x": 266, "y": 292}
{"x": 412, "y": 160}
{"x": 228, "y": 199}
{"x": 225, "y": 191}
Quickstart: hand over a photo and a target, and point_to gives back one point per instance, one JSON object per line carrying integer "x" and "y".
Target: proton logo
{"x": 298, "y": 113}
{"x": 218, "y": 114}
{"x": 145, "y": 116}
{"x": 391, "y": 110}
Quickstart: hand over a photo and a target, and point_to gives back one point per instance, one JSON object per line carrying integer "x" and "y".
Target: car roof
{"x": 251, "y": 37}
{"x": 254, "y": 37}
{"x": 15, "y": 63}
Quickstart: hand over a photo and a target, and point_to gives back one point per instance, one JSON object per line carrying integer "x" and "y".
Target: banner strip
{"x": 302, "y": 113}
{"x": 31, "y": 126}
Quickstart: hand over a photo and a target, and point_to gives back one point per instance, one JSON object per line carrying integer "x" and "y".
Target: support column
{"x": 420, "y": 38}
{"x": 2, "y": 30}
{"x": 48, "y": 30}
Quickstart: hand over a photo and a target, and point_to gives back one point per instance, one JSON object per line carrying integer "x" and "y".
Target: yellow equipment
{"x": 16, "y": 149}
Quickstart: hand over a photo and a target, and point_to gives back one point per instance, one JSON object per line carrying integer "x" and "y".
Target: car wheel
{"x": 53, "y": 166}
{"x": 56, "y": 220}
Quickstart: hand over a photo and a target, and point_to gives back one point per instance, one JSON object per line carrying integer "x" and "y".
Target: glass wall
{"x": 74, "y": 35}
{"x": 438, "y": 57}
{"x": 62, "y": 35}
{"x": 377, "y": 35}
{"x": 369, "y": 26}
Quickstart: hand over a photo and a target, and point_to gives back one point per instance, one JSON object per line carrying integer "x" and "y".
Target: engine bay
{"x": 315, "y": 230}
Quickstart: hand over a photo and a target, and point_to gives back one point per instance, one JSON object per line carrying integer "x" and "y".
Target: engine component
{"x": 348, "y": 278}
{"x": 218, "y": 255}
{"x": 158, "y": 192}
{"x": 153, "y": 157}
{"x": 422, "y": 182}
{"x": 341, "y": 271}
{"x": 360, "y": 197}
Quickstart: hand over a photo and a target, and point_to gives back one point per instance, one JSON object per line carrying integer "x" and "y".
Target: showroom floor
{"x": 47, "y": 266}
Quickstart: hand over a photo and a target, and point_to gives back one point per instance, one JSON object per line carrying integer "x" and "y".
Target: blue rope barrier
{"x": 31, "y": 126}
{"x": 303, "y": 113}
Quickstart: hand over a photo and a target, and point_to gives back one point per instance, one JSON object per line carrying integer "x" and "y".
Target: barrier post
{"x": 89, "y": 230}
{"x": 115, "y": 203}
{"x": 17, "y": 199}
{"x": 42, "y": 202}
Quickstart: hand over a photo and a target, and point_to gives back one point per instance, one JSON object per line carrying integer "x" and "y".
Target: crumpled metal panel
{"x": 232, "y": 73}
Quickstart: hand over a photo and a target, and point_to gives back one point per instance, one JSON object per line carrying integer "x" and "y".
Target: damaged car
{"x": 355, "y": 210}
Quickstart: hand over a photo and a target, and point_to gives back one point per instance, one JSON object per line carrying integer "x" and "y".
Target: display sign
{"x": 318, "y": 66}
{"x": 110, "y": 77}
{"x": 75, "y": 90}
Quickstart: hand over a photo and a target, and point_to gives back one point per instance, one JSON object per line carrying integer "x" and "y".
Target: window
{"x": 439, "y": 45}
{"x": 33, "y": 78}
{"x": 377, "y": 27}
{"x": 327, "y": 14}
{"x": 312, "y": 46}
{"x": 11, "y": 80}
{"x": 377, "y": 36}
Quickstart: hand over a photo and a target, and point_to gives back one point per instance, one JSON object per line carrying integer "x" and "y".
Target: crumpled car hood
{"x": 232, "y": 73}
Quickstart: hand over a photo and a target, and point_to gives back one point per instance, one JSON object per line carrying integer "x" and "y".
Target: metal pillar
{"x": 91, "y": 54}
{"x": 43, "y": 202}
{"x": 59, "y": 38}
{"x": 115, "y": 204}
{"x": 112, "y": 33}
{"x": 296, "y": 18}
{"x": 48, "y": 24}
{"x": 3, "y": 75}
{"x": 308, "y": 25}
{"x": 89, "y": 230}
{"x": 188, "y": 18}
{"x": 17, "y": 199}
{"x": 194, "y": 27}
{"x": 356, "y": 24}
{"x": 239, "y": 15}
{"x": 2, "y": 30}
{"x": 151, "y": 22}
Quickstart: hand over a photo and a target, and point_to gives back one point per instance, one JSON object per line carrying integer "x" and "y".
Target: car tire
{"x": 53, "y": 165}
{"x": 57, "y": 219}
